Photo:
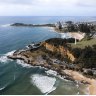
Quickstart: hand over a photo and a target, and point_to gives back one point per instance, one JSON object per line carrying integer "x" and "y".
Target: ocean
{"x": 17, "y": 78}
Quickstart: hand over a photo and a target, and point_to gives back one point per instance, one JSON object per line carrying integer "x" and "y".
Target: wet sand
{"x": 79, "y": 77}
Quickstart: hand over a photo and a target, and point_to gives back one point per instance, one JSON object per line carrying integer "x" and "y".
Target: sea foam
{"x": 65, "y": 35}
{"x": 51, "y": 72}
{"x": 54, "y": 73}
{"x": 23, "y": 64}
{"x": 5, "y": 25}
{"x": 2, "y": 88}
{"x": 4, "y": 59}
{"x": 44, "y": 83}
{"x": 10, "y": 53}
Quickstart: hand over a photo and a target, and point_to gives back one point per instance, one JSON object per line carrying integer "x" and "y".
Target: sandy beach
{"x": 79, "y": 77}
{"x": 77, "y": 35}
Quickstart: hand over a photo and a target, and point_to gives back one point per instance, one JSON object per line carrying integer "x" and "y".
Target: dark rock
{"x": 94, "y": 72}
{"x": 84, "y": 82}
{"x": 87, "y": 71}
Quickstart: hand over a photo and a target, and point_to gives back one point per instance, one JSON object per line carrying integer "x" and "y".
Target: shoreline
{"x": 65, "y": 74}
{"x": 54, "y": 73}
{"x": 36, "y": 59}
{"x": 79, "y": 77}
{"x": 76, "y": 76}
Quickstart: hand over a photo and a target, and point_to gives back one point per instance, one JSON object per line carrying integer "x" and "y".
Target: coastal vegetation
{"x": 86, "y": 58}
{"x": 81, "y": 44}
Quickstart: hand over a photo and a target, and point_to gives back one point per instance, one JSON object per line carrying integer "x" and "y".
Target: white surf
{"x": 23, "y": 64}
{"x": 5, "y": 25}
{"x": 65, "y": 35}
{"x": 44, "y": 83}
{"x": 51, "y": 72}
{"x": 4, "y": 59}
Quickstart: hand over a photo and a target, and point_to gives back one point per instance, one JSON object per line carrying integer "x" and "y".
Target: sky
{"x": 47, "y": 7}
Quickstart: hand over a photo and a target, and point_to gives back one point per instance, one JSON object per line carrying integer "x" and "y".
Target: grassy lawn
{"x": 84, "y": 43}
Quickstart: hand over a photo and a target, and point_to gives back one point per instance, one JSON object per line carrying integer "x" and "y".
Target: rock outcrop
{"x": 58, "y": 45}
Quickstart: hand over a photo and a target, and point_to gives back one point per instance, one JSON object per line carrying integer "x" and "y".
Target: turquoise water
{"x": 15, "y": 78}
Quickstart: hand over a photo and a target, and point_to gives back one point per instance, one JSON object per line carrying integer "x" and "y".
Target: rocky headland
{"x": 56, "y": 54}
{"x": 32, "y": 25}
{"x": 76, "y": 62}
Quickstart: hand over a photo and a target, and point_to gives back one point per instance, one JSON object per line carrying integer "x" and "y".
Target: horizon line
{"x": 46, "y": 16}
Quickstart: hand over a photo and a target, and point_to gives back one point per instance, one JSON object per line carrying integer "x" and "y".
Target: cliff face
{"x": 59, "y": 49}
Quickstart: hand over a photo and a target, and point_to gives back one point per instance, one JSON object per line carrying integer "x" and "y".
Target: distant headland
{"x": 32, "y": 25}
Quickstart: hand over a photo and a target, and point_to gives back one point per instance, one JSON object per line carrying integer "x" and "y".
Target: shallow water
{"x": 17, "y": 77}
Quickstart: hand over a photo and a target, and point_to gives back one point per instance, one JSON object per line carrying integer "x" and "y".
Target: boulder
{"x": 87, "y": 71}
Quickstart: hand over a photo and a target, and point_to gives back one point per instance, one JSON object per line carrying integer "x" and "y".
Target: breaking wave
{"x": 10, "y": 53}
{"x": 44, "y": 83}
{"x": 54, "y": 73}
{"x": 23, "y": 64}
{"x": 2, "y": 88}
{"x": 65, "y": 35}
{"x": 51, "y": 72}
{"x": 4, "y": 59}
{"x": 5, "y": 25}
